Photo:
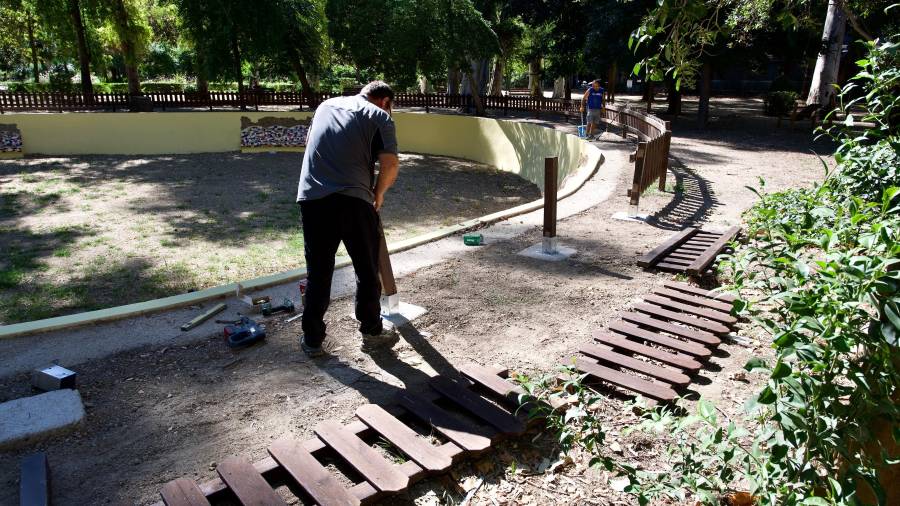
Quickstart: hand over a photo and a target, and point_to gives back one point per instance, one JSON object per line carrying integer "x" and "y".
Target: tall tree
{"x": 132, "y": 32}
{"x": 822, "y": 90}
{"x": 84, "y": 57}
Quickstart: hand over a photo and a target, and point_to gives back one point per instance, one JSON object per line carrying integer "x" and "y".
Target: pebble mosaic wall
{"x": 10, "y": 139}
{"x": 270, "y": 132}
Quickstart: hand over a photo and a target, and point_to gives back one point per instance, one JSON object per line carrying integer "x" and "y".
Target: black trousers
{"x": 327, "y": 222}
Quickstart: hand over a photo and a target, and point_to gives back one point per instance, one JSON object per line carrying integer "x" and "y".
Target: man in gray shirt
{"x": 339, "y": 200}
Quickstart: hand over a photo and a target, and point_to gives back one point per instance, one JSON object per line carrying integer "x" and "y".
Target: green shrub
{"x": 780, "y": 103}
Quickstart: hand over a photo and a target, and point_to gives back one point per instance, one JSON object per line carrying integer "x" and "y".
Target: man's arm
{"x": 584, "y": 98}
{"x": 388, "y": 168}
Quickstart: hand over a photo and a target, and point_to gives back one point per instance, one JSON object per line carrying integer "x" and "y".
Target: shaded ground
{"x": 88, "y": 232}
{"x": 159, "y": 413}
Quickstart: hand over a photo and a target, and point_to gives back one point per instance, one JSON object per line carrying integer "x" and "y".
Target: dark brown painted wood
{"x": 690, "y": 348}
{"x": 505, "y": 422}
{"x": 676, "y": 359}
{"x": 694, "y": 300}
{"x": 382, "y": 474}
{"x": 693, "y": 290}
{"x": 670, "y": 267}
{"x": 404, "y": 438}
{"x": 613, "y": 359}
{"x": 680, "y": 256}
{"x": 247, "y": 484}
{"x": 467, "y": 436}
{"x": 700, "y": 336}
{"x": 486, "y": 378}
{"x": 714, "y": 327}
{"x": 183, "y": 492}
{"x": 706, "y": 259}
{"x": 653, "y": 256}
{"x": 310, "y": 474}
{"x": 676, "y": 261}
{"x": 626, "y": 381}
{"x": 710, "y": 314}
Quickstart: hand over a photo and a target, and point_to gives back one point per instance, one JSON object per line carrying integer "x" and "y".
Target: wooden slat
{"x": 692, "y": 334}
{"x": 478, "y": 407}
{"x": 617, "y": 359}
{"x": 687, "y": 249}
{"x": 382, "y": 474}
{"x": 666, "y": 266}
{"x": 626, "y": 381}
{"x": 725, "y": 307}
{"x": 680, "y": 256}
{"x": 679, "y": 360}
{"x": 310, "y": 474}
{"x": 404, "y": 438}
{"x": 711, "y": 314}
{"x": 34, "y": 480}
{"x": 691, "y": 348}
{"x": 714, "y": 327}
{"x": 466, "y": 435}
{"x": 247, "y": 484}
{"x": 487, "y": 379}
{"x": 691, "y": 289}
{"x": 707, "y": 258}
{"x": 183, "y": 492}
{"x": 654, "y": 255}
{"x": 676, "y": 261}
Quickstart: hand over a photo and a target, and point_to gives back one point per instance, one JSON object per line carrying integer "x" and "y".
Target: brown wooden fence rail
{"x": 651, "y": 158}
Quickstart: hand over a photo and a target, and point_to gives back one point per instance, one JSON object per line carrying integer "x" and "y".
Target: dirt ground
{"x": 155, "y": 414}
{"x": 89, "y": 232}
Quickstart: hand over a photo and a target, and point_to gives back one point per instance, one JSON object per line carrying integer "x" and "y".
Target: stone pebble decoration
{"x": 273, "y": 136}
{"x": 11, "y": 139}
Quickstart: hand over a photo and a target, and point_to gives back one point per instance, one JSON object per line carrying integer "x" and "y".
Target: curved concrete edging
{"x": 570, "y": 186}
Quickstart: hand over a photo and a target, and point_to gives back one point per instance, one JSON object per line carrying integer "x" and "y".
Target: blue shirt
{"x": 595, "y": 98}
{"x": 345, "y": 138}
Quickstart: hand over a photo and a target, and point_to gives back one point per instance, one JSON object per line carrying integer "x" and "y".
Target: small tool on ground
{"x": 473, "y": 239}
{"x": 243, "y": 332}
{"x": 286, "y": 306}
{"x": 218, "y": 308}
{"x": 54, "y": 377}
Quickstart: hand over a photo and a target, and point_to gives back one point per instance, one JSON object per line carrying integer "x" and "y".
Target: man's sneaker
{"x": 387, "y": 336}
{"x": 311, "y": 351}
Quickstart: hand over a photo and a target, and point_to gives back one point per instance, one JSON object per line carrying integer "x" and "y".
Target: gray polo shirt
{"x": 346, "y": 136}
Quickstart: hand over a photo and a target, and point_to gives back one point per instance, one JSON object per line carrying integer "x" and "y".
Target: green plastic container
{"x": 473, "y": 239}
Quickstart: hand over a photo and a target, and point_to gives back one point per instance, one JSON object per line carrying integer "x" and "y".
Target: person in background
{"x": 339, "y": 198}
{"x": 593, "y": 99}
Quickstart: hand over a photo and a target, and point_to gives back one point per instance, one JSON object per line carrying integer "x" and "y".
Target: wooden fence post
{"x": 638, "y": 158}
{"x": 551, "y": 173}
{"x": 664, "y": 155}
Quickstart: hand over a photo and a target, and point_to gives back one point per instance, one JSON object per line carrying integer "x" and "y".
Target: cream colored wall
{"x": 508, "y": 145}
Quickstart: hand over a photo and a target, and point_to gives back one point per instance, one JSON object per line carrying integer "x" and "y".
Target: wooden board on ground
{"x": 382, "y": 474}
{"x": 404, "y": 438}
{"x": 691, "y": 348}
{"x": 247, "y": 484}
{"x": 614, "y": 359}
{"x": 183, "y": 492}
{"x": 694, "y": 290}
{"x": 626, "y": 381}
{"x": 709, "y": 314}
{"x": 694, "y": 300}
{"x": 707, "y": 257}
{"x": 700, "y": 336}
{"x": 466, "y": 435}
{"x": 653, "y": 256}
{"x": 679, "y": 360}
{"x": 487, "y": 379}
{"x": 714, "y": 327}
{"x": 504, "y": 422}
{"x": 310, "y": 474}
{"x": 690, "y": 251}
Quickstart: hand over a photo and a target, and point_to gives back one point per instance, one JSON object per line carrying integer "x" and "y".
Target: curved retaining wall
{"x": 508, "y": 145}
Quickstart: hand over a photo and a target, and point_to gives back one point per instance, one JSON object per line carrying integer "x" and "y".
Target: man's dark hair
{"x": 378, "y": 89}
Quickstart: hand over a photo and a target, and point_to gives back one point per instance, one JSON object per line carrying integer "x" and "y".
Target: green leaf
{"x": 781, "y": 370}
{"x": 767, "y": 396}
{"x": 815, "y": 501}
{"x": 637, "y": 69}
{"x": 756, "y": 364}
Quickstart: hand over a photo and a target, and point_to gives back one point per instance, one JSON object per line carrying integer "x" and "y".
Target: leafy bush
{"x": 780, "y": 103}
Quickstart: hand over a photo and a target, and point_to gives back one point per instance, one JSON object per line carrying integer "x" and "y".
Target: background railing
{"x": 651, "y": 158}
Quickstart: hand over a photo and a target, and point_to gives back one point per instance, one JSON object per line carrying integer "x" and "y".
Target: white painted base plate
{"x": 537, "y": 252}
{"x": 405, "y": 314}
{"x": 624, "y": 216}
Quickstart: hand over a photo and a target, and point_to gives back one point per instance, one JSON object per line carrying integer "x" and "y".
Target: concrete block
{"x": 28, "y": 419}
{"x": 556, "y": 253}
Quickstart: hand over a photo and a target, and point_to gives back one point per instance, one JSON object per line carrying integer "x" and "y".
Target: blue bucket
{"x": 582, "y": 131}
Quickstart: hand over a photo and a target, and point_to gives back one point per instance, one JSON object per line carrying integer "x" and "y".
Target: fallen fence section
{"x": 691, "y": 251}
{"x": 464, "y": 412}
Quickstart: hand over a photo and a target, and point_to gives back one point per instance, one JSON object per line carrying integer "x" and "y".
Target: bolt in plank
{"x": 404, "y": 438}
{"x": 679, "y": 360}
{"x": 467, "y": 436}
{"x": 310, "y": 474}
{"x": 694, "y": 300}
{"x": 617, "y": 359}
{"x": 247, "y": 484}
{"x": 183, "y": 492}
{"x": 34, "y": 480}
{"x": 382, "y": 474}
{"x": 711, "y": 326}
{"x": 678, "y": 330}
{"x": 691, "y": 348}
{"x": 480, "y": 408}
{"x": 626, "y": 381}
{"x": 709, "y": 314}
{"x": 691, "y": 289}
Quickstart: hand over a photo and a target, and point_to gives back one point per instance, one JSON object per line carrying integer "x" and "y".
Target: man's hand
{"x": 379, "y": 201}
{"x": 388, "y": 167}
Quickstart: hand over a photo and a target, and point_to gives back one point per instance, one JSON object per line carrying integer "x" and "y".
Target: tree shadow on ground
{"x": 690, "y": 206}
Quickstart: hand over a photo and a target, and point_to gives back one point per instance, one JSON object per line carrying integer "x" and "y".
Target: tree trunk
{"x": 479, "y": 70}
{"x": 497, "y": 77}
{"x": 567, "y": 88}
{"x": 236, "y": 64}
{"x": 612, "y": 77}
{"x": 559, "y": 87}
{"x": 127, "y": 43}
{"x": 650, "y": 93}
{"x": 33, "y": 45}
{"x": 705, "y": 85}
{"x": 476, "y": 98}
{"x": 304, "y": 80}
{"x": 534, "y": 78}
{"x": 673, "y": 97}
{"x": 200, "y": 68}
{"x": 84, "y": 57}
{"x": 821, "y": 89}
{"x": 453, "y": 78}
